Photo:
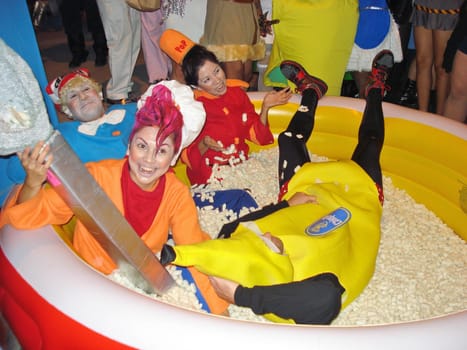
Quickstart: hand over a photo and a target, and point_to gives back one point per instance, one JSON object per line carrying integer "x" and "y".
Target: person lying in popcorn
{"x": 231, "y": 119}
{"x": 93, "y": 132}
{"x": 302, "y": 259}
{"x": 142, "y": 185}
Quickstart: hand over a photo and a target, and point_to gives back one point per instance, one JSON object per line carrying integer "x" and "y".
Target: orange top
{"x": 177, "y": 213}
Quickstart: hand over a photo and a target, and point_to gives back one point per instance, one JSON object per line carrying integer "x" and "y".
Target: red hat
{"x": 175, "y": 44}
{"x": 55, "y": 86}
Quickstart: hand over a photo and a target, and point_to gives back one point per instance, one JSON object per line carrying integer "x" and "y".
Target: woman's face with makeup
{"x": 147, "y": 161}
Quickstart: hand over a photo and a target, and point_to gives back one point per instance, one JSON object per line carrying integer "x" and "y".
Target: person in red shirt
{"x": 231, "y": 119}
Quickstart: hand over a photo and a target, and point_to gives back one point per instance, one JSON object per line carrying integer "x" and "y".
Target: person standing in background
{"x": 455, "y": 63}
{"x": 376, "y": 31}
{"x": 71, "y": 12}
{"x": 188, "y": 18}
{"x": 122, "y": 25}
{"x": 185, "y": 16}
{"x": 456, "y": 103}
{"x": 158, "y": 65}
{"x": 433, "y": 21}
{"x": 232, "y": 32}
{"x": 319, "y": 34}
{"x": 401, "y": 11}
{"x": 176, "y": 14}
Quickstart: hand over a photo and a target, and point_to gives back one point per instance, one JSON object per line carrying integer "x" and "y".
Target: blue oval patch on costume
{"x": 330, "y": 222}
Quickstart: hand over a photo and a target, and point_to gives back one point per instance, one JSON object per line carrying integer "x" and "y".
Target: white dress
{"x": 361, "y": 59}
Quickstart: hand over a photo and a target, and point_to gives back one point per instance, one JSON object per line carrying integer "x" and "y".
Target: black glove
{"x": 167, "y": 254}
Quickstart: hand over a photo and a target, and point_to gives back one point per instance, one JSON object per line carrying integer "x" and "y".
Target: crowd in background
{"x": 421, "y": 33}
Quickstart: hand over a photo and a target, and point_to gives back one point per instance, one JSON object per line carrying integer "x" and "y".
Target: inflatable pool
{"x": 51, "y": 299}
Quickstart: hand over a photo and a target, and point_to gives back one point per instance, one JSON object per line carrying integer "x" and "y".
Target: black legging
{"x": 293, "y": 152}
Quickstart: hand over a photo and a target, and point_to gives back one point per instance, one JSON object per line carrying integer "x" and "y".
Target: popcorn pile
{"x": 420, "y": 270}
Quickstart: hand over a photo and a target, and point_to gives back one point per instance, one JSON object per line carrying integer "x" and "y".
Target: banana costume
{"x": 340, "y": 234}
{"x": 317, "y": 33}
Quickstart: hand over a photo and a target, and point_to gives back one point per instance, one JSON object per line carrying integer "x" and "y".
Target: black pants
{"x": 70, "y": 11}
{"x": 315, "y": 300}
{"x": 293, "y": 152}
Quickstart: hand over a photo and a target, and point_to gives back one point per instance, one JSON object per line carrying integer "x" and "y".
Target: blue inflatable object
{"x": 17, "y": 31}
{"x": 373, "y": 23}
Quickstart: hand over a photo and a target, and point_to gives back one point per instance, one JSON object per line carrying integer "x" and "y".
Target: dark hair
{"x": 193, "y": 61}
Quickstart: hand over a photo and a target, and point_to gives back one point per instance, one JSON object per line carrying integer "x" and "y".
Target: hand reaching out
{"x": 209, "y": 143}
{"x": 35, "y": 161}
{"x": 276, "y": 98}
{"x": 225, "y": 289}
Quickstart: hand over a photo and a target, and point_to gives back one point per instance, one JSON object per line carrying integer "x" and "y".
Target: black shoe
{"x": 382, "y": 64}
{"x": 294, "y": 72}
{"x": 409, "y": 97}
{"x": 78, "y": 58}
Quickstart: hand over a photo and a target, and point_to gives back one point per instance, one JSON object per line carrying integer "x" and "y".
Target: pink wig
{"x": 160, "y": 110}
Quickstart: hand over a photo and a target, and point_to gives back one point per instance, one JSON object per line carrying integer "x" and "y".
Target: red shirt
{"x": 230, "y": 119}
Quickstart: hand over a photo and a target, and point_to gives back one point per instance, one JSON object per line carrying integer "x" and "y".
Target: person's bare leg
{"x": 424, "y": 61}
{"x": 456, "y": 103}
{"x": 233, "y": 69}
{"x": 441, "y": 38}
{"x": 248, "y": 71}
